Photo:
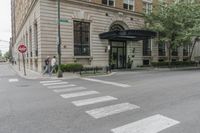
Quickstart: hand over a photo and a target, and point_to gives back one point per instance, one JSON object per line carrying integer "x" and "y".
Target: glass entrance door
{"x": 118, "y": 55}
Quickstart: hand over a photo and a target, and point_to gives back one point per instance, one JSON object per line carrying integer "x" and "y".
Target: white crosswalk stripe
{"x": 51, "y": 81}
{"x": 153, "y": 124}
{"x": 107, "y": 82}
{"x": 61, "y": 86}
{"x": 111, "y": 110}
{"x": 93, "y": 100}
{"x": 58, "y": 83}
{"x": 77, "y": 94}
{"x": 13, "y": 80}
{"x": 69, "y": 89}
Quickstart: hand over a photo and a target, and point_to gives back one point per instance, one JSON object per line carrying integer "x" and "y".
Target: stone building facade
{"x": 35, "y": 24}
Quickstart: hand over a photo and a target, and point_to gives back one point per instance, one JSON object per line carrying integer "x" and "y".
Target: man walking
{"x": 47, "y": 65}
{"x": 53, "y": 64}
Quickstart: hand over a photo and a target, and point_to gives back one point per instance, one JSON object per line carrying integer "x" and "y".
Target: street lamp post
{"x": 59, "y": 74}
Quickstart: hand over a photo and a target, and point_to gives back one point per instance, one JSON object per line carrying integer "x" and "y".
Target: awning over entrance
{"x": 132, "y": 35}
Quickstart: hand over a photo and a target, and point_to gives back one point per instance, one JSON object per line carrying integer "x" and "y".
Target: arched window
{"x": 116, "y": 27}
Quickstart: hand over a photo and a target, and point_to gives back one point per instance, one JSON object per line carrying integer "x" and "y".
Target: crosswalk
{"x": 93, "y": 100}
{"x": 70, "y": 89}
{"x": 13, "y": 80}
{"x": 77, "y": 94}
{"x": 110, "y": 110}
{"x": 151, "y": 124}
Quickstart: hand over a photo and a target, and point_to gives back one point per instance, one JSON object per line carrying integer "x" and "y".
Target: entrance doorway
{"x": 118, "y": 54}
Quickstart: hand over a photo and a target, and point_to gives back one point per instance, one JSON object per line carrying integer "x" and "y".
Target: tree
{"x": 7, "y": 55}
{"x": 177, "y": 24}
{"x": 0, "y": 54}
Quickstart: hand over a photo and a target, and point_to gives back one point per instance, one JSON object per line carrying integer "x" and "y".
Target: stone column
{"x": 154, "y": 50}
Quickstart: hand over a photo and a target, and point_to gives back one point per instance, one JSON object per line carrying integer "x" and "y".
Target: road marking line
{"x": 69, "y": 89}
{"x": 61, "y": 86}
{"x": 59, "y": 83}
{"x": 51, "y": 81}
{"x": 77, "y": 94}
{"x": 107, "y": 82}
{"x": 153, "y": 124}
{"x": 13, "y": 80}
{"x": 111, "y": 110}
{"x": 93, "y": 100}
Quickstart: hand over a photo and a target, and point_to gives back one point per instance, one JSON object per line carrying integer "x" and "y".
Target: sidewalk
{"x": 36, "y": 75}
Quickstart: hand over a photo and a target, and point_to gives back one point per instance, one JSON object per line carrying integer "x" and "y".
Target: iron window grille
{"x": 81, "y": 38}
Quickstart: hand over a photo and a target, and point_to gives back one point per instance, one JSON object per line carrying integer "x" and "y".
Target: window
{"x": 147, "y": 47}
{"x": 116, "y": 27}
{"x": 36, "y": 38}
{"x": 147, "y": 7}
{"x": 30, "y": 42}
{"x": 175, "y": 51}
{"x": 27, "y": 45}
{"x": 161, "y": 49}
{"x": 81, "y": 38}
{"x": 129, "y": 4}
{"x": 108, "y": 2}
{"x": 185, "y": 50}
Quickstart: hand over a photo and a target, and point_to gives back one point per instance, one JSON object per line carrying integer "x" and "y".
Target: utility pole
{"x": 59, "y": 74}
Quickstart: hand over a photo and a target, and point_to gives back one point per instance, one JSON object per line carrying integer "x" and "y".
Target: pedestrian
{"x": 53, "y": 64}
{"x": 47, "y": 66}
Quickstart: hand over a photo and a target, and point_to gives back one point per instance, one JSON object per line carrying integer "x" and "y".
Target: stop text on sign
{"x": 22, "y": 48}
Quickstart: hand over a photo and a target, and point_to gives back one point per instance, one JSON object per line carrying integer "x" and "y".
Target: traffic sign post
{"x": 22, "y": 49}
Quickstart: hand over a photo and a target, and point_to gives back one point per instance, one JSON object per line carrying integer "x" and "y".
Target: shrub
{"x": 73, "y": 67}
{"x": 173, "y": 64}
{"x": 159, "y": 64}
{"x": 63, "y": 67}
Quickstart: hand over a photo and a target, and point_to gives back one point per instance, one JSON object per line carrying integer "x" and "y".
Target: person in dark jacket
{"x": 47, "y": 66}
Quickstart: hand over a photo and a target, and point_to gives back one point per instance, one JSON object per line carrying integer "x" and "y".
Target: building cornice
{"x": 78, "y": 2}
{"x": 100, "y": 6}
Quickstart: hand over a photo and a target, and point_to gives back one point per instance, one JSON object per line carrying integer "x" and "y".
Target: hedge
{"x": 73, "y": 67}
{"x": 173, "y": 64}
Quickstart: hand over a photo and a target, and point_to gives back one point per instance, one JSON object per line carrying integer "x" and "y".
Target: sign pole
{"x": 60, "y": 74}
{"x": 24, "y": 64}
{"x": 19, "y": 61}
{"x": 22, "y": 49}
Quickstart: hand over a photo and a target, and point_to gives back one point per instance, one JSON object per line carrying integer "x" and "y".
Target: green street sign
{"x": 64, "y": 21}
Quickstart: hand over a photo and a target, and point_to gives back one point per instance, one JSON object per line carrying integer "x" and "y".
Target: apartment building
{"x": 93, "y": 33}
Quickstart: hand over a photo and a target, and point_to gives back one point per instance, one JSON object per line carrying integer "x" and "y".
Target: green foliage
{"x": 73, "y": 67}
{"x": 0, "y": 53}
{"x": 7, "y": 55}
{"x": 177, "y": 24}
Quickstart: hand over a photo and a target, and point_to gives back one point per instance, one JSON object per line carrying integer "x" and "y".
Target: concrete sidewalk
{"x": 36, "y": 75}
{"x": 30, "y": 74}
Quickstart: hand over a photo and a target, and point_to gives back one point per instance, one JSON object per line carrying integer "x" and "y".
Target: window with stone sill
{"x": 81, "y": 38}
{"x": 147, "y": 47}
{"x": 147, "y": 7}
{"x": 108, "y": 2}
{"x": 129, "y": 5}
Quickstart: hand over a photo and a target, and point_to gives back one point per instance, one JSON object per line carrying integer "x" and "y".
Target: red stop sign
{"x": 22, "y": 48}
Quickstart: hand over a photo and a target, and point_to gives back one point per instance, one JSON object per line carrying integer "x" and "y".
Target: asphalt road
{"x": 126, "y": 102}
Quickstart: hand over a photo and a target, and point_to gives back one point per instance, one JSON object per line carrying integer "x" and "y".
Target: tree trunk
{"x": 169, "y": 54}
{"x": 193, "y": 45}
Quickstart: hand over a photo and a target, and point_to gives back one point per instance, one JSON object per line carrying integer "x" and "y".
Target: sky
{"x": 5, "y": 25}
